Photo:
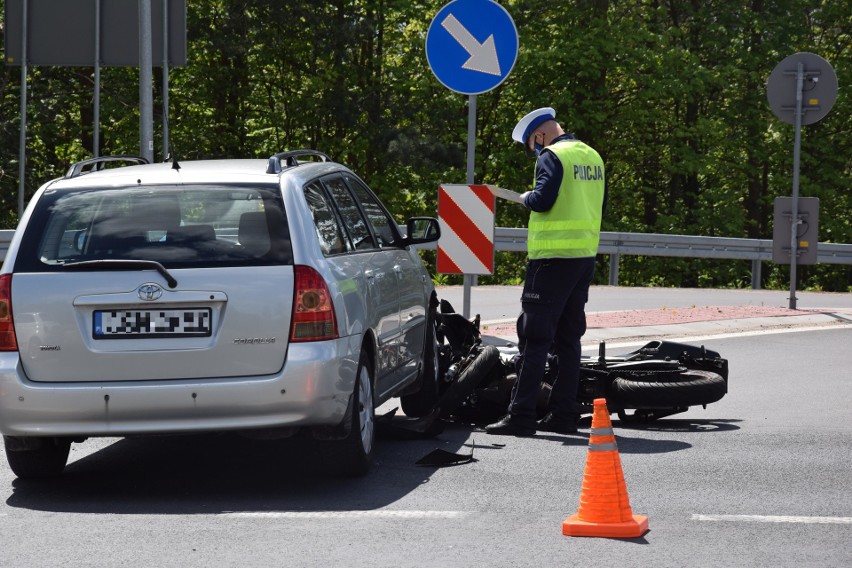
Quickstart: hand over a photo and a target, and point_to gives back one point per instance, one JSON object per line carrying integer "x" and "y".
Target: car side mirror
{"x": 422, "y": 230}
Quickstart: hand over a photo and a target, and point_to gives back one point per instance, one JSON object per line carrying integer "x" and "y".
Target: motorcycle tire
{"x": 470, "y": 377}
{"x": 688, "y": 388}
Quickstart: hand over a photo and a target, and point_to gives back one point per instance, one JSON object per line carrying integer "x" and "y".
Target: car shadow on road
{"x": 224, "y": 473}
{"x": 211, "y": 474}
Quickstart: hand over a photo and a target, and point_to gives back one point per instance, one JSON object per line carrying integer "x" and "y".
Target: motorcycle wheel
{"x": 469, "y": 379}
{"x": 687, "y": 388}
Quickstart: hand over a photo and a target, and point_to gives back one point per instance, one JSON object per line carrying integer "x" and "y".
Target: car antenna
{"x": 173, "y": 156}
{"x": 172, "y": 153}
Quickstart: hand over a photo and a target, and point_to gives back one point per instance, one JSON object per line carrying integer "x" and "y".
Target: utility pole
{"x": 146, "y": 98}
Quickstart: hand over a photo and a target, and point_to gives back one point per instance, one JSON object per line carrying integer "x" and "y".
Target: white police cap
{"x": 530, "y": 122}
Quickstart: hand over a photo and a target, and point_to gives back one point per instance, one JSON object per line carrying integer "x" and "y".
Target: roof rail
{"x": 274, "y": 163}
{"x": 97, "y": 164}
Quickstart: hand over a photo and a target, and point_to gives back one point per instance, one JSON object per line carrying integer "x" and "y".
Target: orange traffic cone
{"x": 604, "y": 506}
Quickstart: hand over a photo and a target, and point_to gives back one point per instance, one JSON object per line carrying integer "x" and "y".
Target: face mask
{"x": 537, "y": 148}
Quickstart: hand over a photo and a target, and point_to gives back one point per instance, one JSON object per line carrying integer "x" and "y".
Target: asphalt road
{"x": 760, "y": 478}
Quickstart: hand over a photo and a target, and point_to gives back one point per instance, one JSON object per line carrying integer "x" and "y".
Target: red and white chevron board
{"x": 466, "y": 216}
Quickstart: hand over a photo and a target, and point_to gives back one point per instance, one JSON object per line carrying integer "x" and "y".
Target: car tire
{"x": 424, "y": 400}
{"x": 687, "y": 388}
{"x": 471, "y": 377}
{"x": 42, "y": 459}
{"x": 351, "y": 456}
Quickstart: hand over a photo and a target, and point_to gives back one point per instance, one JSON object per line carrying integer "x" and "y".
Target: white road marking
{"x": 380, "y": 514}
{"x": 774, "y": 519}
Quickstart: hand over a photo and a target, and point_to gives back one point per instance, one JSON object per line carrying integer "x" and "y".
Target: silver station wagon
{"x": 271, "y": 297}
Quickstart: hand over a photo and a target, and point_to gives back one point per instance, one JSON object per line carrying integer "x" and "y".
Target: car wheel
{"x": 38, "y": 457}
{"x": 471, "y": 377}
{"x": 424, "y": 400}
{"x": 687, "y": 388}
{"x": 351, "y": 456}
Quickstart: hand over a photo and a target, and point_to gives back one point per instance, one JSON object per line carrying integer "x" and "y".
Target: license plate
{"x": 135, "y": 324}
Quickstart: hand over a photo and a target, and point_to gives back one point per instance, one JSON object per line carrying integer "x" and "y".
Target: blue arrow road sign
{"x": 472, "y": 45}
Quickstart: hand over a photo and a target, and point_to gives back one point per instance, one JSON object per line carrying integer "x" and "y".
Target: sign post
{"x": 796, "y": 77}
{"x": 471, "y": 47}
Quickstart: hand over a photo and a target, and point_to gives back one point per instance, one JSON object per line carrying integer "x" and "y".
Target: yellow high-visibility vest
{"x": 572, "y": 227}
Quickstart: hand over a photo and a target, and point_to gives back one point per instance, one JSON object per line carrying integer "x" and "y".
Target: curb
{"x": 501, "y": 331}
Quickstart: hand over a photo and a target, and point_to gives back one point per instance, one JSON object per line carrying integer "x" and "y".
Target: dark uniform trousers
{"x": 553, "y": 316}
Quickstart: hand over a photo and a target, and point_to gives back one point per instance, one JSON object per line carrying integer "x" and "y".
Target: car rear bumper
{"x": 313, "y": 388}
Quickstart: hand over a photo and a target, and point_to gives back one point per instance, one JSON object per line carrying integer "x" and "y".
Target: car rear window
{"x": 178, "y": 226}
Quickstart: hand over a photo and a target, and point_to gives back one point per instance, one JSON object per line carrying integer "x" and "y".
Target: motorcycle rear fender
{"x": 672, "y": 349}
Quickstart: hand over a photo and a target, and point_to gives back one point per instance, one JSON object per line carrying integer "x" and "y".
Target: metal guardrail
{"x": 648, "y": 244}
{"x": 656, "y": 244}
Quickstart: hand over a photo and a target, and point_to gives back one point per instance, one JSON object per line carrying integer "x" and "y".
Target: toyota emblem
{"x": 150, "y": 292}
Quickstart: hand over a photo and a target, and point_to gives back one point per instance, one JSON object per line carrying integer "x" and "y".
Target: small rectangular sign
{"x": 807, "y": 230}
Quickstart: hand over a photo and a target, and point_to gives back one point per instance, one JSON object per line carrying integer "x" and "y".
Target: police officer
{"x": 566, "y": 203}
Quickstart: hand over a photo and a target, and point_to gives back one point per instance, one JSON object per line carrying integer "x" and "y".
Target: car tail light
{"x": 7, "y": 326}
{"x": 313, "y": 310}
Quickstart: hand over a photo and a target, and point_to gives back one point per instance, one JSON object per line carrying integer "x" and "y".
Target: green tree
{"x": 671, "y": 93}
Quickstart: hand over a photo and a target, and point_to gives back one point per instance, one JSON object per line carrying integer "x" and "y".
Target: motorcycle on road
{"x": 475, "y": 378}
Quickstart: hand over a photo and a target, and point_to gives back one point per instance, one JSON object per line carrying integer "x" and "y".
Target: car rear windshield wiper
{"x": 117, "y": 264}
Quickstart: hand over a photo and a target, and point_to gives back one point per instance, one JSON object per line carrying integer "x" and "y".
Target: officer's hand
{"x": 524, "y": 196}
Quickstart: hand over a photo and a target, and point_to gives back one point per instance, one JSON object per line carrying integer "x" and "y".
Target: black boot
{"x": 552, "y": 423}
{"x": 512, "y": 425}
